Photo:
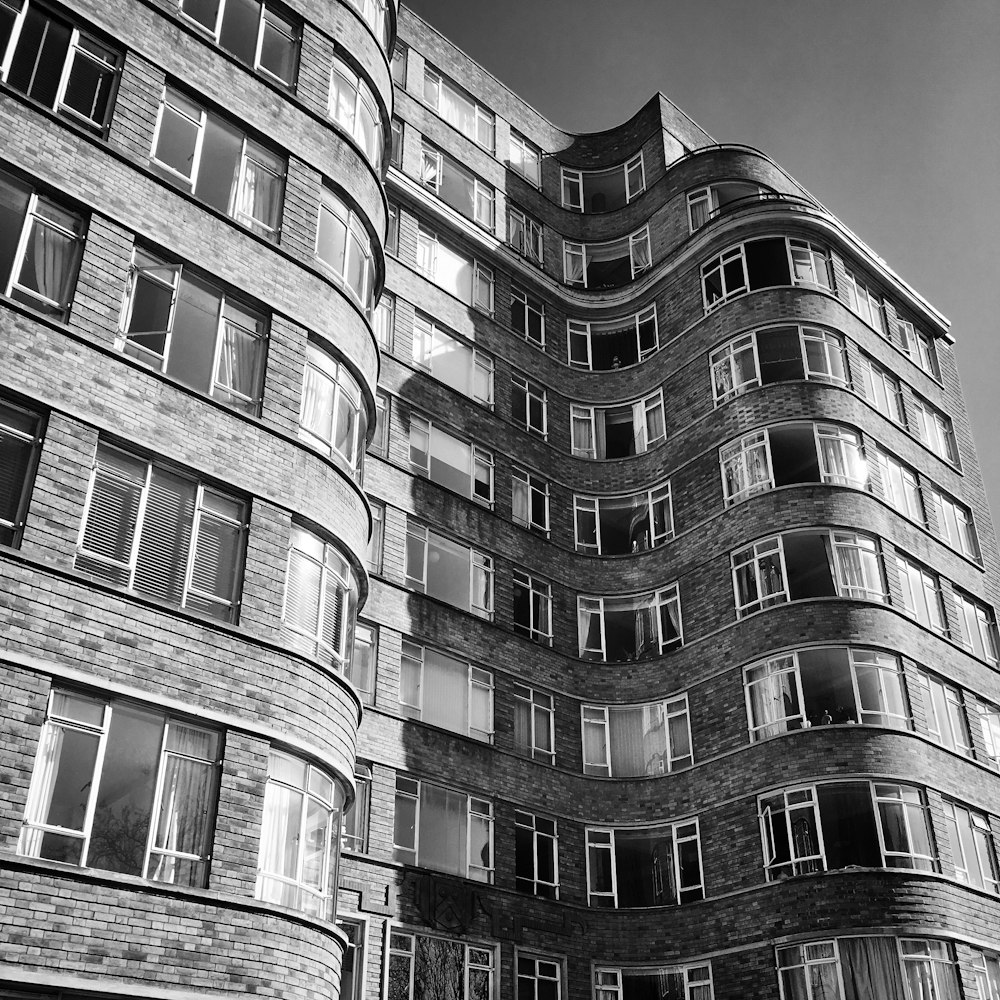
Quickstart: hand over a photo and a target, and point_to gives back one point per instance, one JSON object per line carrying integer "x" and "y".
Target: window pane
{"x": 239, "y": 28}
{"x": 195, "y": 330}
{"x": 219, "y": 165}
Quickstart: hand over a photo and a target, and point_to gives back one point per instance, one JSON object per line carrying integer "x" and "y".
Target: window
{"x": 659, "y": 866}
{"x": 364, "y": 658}
{"x": 299, "y": 838}
{"x": 777, "y": 354}
{"x": 458, "y": 109}
{"x": 973, "y": 849}
{"x": 534, "y": 724}
{"x": 380, "y": 439}
{"x": 20, "y": 443}
{"x": 763, "y": 263}
{"x": 445, "y": 691}
{"x": 977, "y": 628}
{"x": 40, "y": 247}
{"x": 533, "y": 607}
{"x": 929, "y": 969}
{"x": 607, "y": 265}
{"x": 524, "y": 234}
{"x": 194, "y": 331}
{"x": 333, "y": 417}
{"x": 987, "y": 972}
{"x": 802, "y": 565}
{"x": 439, "y": 828}
{"x": 252, "y": 32}
{"x": 825, "y": 686}
{"x": 451, "y": 572}
{"x": 989, "y": 721}
{"x": 55, "y": 63}
{"x": 456, "y": 186}
{"x": 919, "y": 347}
{"x": 452, "y": 361}
{"x": 791, "y": 454}
{"x": 352, "y": 968}
{"x": 398, "y": 65}
{"x": 611, "y": 344}
{"x": 342, "y": 243}
{"x": 944, "y": 711}
{"x": 618, "y": 431}
{"x": 354, "y": 108}
{"x": 355, "y": 833}
{"x": 123, "y": 788}
{"x": 536, "y": 856}
{"x": 459, "y": 275}
{"x": 162, "y": 534}
{"x": 899, "y": 485}
{"x": 527, "y": 316}
{"x": 616, "y": 629}
{"x": 685, "y": 982}
{"x": 529, "y": 405}
{"x": 615, "y": 526}
{"x": 836, "y": 825}
{"x": 707, "y": 203}
{"x": 321, "y": 598}
{"x": 809, "y": 971}
{"x": 952, "y": 522}
{"x": 632, "y": 741}
{"x": 392, "y": 229}
{"x": 935, "y": 430}
{"x": 538, "y": 978}
{"x": 396, "y": 140}
{"x": 219, "y": 164}
{"x": 457, "y": 465}
{"x": 374, "y": 14}
{"x": 866, "y": 303}
{"x": 921, "y": 594}
{"x": 384, "y": 323}
{"x": 529, "y": 501}
{"x": 377, "y": 536}
{"x": 594, "y": 191}
{"x": 421, "y": 966}
{"x": 525, "y": 159}
{"x": 882, "y": 390}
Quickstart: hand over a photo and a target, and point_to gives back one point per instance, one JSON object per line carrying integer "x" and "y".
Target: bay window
{"x": 452, "y": 361}
{"x": 121, "y": 787}
{"x": 459, "y": 109}
{"x": 300, "y": 836}
{"x": 595, "y": 191}
{"x": 607, "y": 265}
{"x": 525, "y": 158}
{"x": 616, "y": 526}
{"x": 354, "y": 108}
{"x": 181, "y": 324}
{"x": 536, "y": 855}
{"x": 527, "y": 316}
{"x": 534, "y": 723}
{"x": 669, "y": 982}
{"x": 617, "y": 629}
{"x": 921, "y": 594}
{"x": 439, "y": 828}
{"x": 604, "y": 345}
{"x": 20, "y": 443}
{"x": 524, "y": 234}
{"x": 343, "y": 244}
{"x": 529, "y": 405}
{"x": 459, "y": 275}
{"x": 162, "y": 534}
{"x": 449, "y": 571}
{"x": 218, "y": 163}
{"x": 456, "y": 185}
{"x": 707, "y": 203}
{"x": 656, "y": 866}
{"x": 977, "y": 628}
{"x": 533, "y": 607}
{"x": 445, "y": 691}
{"x": 618, "y": 431}
{"x": 632, "y": 741}
{"x": 457, "y": 465}
{"x": 529, "y": 501}
{"x": 425, "y": 967}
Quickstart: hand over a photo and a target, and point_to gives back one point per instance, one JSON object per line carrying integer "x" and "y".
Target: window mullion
{"x": 88, "y": 820}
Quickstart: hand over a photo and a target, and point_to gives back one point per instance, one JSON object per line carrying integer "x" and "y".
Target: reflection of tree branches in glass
{"x": 439, "y": 973}
{"x": 118, "y": 840}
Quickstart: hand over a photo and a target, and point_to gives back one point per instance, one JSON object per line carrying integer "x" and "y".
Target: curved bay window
{"x": 606, "y": 265}
{"x": 603, "y": 345}
{"x": 595, "y": 191}
{"x": 343, "y": 243}
{"x": 620, "y": 525}
{"x": 629, "y": 741}
{"x": 617, "y": 629}
{"x": 354, "y": 108}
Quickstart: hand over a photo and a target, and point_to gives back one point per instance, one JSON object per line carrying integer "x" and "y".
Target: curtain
{"x": 520, "y": 496}
{"x": 722, "y": 374}
{"x": 628, "y": 743}
{"x": 595, "y": 744}
{"x": 52, "y": 259}
{"x": 871, "y": 970}
{"x": 583, "y": 434}
{"x": 773, "y": 700}
{"x": 429, "y": 170}
{"x": 317, "y": 403}
{"x": 639, "y": 248}
{"x": 182, "y": 823}
{"x": 279, "y": 839}
{"x": 589, "y": 626}
{"x": 43, "y": 786}
{"x": 699, "y": 213}
{"x": 573, "y": 262}
{"x": 237, "y": 368}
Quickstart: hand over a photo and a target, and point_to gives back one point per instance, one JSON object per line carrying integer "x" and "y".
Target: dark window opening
{"x": 767, "y": 263}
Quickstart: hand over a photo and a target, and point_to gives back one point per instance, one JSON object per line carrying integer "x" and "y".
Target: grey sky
{"x": 888, "y": 111}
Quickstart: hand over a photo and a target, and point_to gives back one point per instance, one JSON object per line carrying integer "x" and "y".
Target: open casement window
{"x": 451, "y": 572}
{"x": 193, "y": 331}
{"x": 525, "y": 158}
{"x": 363, "y": 661}
{"x": 457, "y": 465}
{"x": 921, "y": 594}
{"x": 843, "y": 824}
{"x": 123, "y": 788}
{"x": 300, "y": 836}
{"x": 707, "y": 203}
{"x": 952, "y": 522}
{"x": 53, "y": 62}
{"x": 445, "y": 691}
{"x": 354, "y": 836}
{"x": 459, "y": 109}
{"x": 534, "y": 723}
{"x": 454, "y": 272}
{"x": 630, "y": 741}
{"x": 20, "y": 444}
{"x": 533, "y": 607}
{"x": 529, "y": 501}
{"x": 40, "y": 248}
{"x": 825, "y": 686}
{"x": 683, "y": 982}
{"x": 354, "y": 108}
{"x": 865, "y": 302}
{"x": 218, "y": 163}
{"x": 973, "y": 848}
{"x": 536, "y": 855}
{"x": 529, "y": 405}
{"x": 452, "y": 361}
{"x": 767, "y": 262}
{"x": 918, "y": 346}
{"x": 321, "y": 597}
{"x": 935, "y": 430}
{"x": 422, "y": 967}
{"x": 527, "y": 316}
{"x": 162, "y": 534}
{"x": 595, "y": 191}
{"x": 456, "y": 186}
{"x": 606, "y": 265}
{"x": 618, "y": 431}
{"x": 253, "y": 32}
{"x": 977, "y": 628}
{"x": 604, "y": 345}
{"x": 777, "y": 354}
{"x": 439, "y": 828}
{"x": 881, "y": 389}
{"x": 900, "y": 486}
{"x": 944, "y": 712}
{"x": 658, "y": 866}
{"x": 615, "y": 526}
{"x": 343, "y": 243}
{"x": 807, "y": 564}
{"x": 619, "y": 629}
{"x": 524, "y": 234}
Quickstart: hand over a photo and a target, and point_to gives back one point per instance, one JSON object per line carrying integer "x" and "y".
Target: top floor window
{"x": 456, "y": 186}
{"x": 603, "y": 345}
{"x": 253, "y": 32}
{"x": 607, "y": 265}
{"x": 375, "y": 14}
{"x": 525, "y": 159}
{"x": 20, "y": 441}
{"x": 218, "y": 163}
{"x": 52, "y": 61}
{"x": 919, "y": 346}
{"x": 354, "y": 108}
{"x": 464, "y": 277}
{"x": 710, "y": 202}
{"x": 595, "y": 191}
{"x": 343, "y": 243}
{"x": 459, "y": 109}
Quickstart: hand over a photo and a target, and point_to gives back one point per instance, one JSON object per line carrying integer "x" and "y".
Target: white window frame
{"x": 530, "y": 306}
{"x": 480, "y": 467}
{"x": 608, "y": 980}
{"x": 365, "y": 107}
{"x": 532, "y": 486}
{"x": 484, "y": 129}
{"x": 478, "y": 958}
{"x": 539, "y": 703}
{"x": 865, "y": 303}
{"x": 527, "y": 153}
{"x": 345, "y": 397}
{"x": 433, "y": 163}
{"x": 591, "y": 506}
{"x": 572, "y": 182}
{"x": 357, "y": 244}
{"x": 921, "y": 597}
{"x": 480, "y": 567}
{"x": 900, "y": 485}
{"x": 708, "y": 197}
{"x": 952, "y": 522}
{"x": 580, "y": 333}
{"x": 635, "y": 242}
{"x": 596, "y": 719}
{"x": 882, "y": 390}
{"x": 977, "y": 628}
{"x": 935, "y": 430}
{"x": 525, "y": 820}
{"x": 533, "y": 392}
{"x": 656, "y": 600}
{"x": 538, "y": 628}
{"x": 425, "y": 347}
{"x": 525, "y": 234}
